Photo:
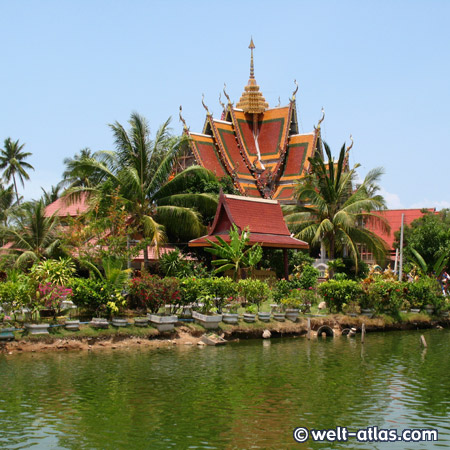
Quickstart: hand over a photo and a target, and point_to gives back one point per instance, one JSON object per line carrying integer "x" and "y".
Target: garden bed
{"x": 89, "y": 339}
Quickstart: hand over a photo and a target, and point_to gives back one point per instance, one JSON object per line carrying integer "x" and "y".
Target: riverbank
{"x": 89, "y": 339}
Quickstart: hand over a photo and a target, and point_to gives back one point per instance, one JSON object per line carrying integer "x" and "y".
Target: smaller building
{"x": 263, "y": 218}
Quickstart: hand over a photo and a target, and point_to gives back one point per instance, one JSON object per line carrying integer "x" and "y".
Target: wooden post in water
{"x": 424, "y": 342}
{"x": 363, "y": 333}
{"x": 308, "y": 333}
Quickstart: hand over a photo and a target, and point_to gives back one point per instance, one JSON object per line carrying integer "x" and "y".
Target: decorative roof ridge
{"x": 240, "y": 141}
{"x": 223, "y": 121}
{"x": 251, "y": 199}
{"x": 277, "y": 169}
{"x": 200, "y": 134}
{"x": 311, "y": 133}
{"x": 221, "y": 149}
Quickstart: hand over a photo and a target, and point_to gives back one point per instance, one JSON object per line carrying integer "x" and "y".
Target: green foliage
{"x": 429, "y": 236}
{"x": 425, "y": 291}
{"x": 234, "y": 256}
{"x": 306, "y": 278}
{"x": 300, "y": 299}
{"x": 55, "y": 271}
{"x": 96, "y": 295}
{"x": 173, "y": 264}
{"x": 335, "y": 208}
{"x": 339, "y": 293}
{"x": 17, "y": 293}
{"x": 385, "y": 296}
{"x": 254, "y": 291}
{"x": 152, "y": 292}
{"x": 273, "y": 259}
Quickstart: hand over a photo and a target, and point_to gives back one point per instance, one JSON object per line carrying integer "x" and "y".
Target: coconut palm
{"x": 331, "y": 212}
{"x": 140, "y": 170}
{"x": 12, "y": 161}
{"x": 35, "y": 236}
{"x": 51, "y": 195}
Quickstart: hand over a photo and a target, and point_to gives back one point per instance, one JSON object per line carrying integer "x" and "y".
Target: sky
{"x": 380, "y": 69}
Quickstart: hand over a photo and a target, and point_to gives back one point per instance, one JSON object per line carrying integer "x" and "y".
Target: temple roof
{"x": 246, "y": 213}
{"x": 257, "y": 146}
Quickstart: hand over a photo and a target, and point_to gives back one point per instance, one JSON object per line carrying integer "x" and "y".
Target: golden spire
{"x": 252, "y": 101}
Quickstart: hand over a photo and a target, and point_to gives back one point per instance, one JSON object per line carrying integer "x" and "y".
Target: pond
{"x": 250, "y": 394}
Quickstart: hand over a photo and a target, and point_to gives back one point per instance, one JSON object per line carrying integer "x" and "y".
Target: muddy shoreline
{"x": 190, "y": 334}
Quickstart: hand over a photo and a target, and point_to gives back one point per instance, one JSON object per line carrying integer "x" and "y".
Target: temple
{"x": 259, "y": 147}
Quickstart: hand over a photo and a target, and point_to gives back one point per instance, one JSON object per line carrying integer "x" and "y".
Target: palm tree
{"x": 51, "y": 195}
{"x": 34, "y": 236}
{"x": 332, "y": 213}
{"x": 140, "y": 169}
{"x": 12, "y": 161}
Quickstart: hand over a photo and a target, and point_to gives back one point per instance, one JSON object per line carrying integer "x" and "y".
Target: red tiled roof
{"x": 63, "y": 207}
{"x": 152, "y": 256}
{"x": 394, "y": 218}
{"x": 263, "y": 218}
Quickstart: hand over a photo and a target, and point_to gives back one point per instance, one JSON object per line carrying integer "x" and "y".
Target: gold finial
{"x": 182, "y": 119}
{"x": 351, "y": 145}
{"x": 226, "y": 95}
{"x": 204, "y": 106}
{"x": 295, "y": 91}
{"x": 252, "y": 69}
{"x": 252, "y": 101}
{"x": 322, "y": 118}
{"x": 220, "y": 101}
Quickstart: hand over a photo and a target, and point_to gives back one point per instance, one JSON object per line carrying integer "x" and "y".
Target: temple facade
{"x": 259, "y": 147}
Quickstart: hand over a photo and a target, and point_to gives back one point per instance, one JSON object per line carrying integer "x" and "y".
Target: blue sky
{"x": 381, "y": 70}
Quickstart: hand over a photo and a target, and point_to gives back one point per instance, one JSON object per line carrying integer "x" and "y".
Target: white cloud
{"x": 438, "y": 204}
{"x": 392, "y": 200}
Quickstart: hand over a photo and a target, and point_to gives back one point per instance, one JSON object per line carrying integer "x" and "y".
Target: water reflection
{"x": 244, "y": 395}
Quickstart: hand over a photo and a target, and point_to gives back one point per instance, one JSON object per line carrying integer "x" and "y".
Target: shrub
{"x": 152, "y": 292}
{"x": 221, "y": 290}
{"x": 18, "y": 293}
{"x": 425, "y": 291}
{"x": 55, "y": 271}
{"x": 337, "y": 294}
{"x": 254, "y": 291}
{"x": 301, "y": 298}
{"x": 306, "y": 278}
{"x": 96, "y": 295}
{"x": 385, "y": 296}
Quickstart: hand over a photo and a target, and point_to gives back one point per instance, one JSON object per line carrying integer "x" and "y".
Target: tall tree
{"x": 12, "y": 161}
{"x": 331, "y": 211}
{"x": 140, "y": 169}
{"x": 51, "y": 195}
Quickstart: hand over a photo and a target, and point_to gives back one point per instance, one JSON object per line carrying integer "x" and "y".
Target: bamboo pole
{"x": 363, "y": 333}
{"x": 308, "y": 334}
{"x": 424, "y": 342}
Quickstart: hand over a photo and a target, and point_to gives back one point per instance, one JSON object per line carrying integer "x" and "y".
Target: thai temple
{"x": 259, "y": 147}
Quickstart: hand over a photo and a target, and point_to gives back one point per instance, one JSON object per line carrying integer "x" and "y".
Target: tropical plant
{"x": 435, "y": 267}
{"x": 141, "y": 169}
{"x": 332, "y": 211}
{"x": 35, "y": 236}
{"x": 234, "y": 255}
{"x": 254, "y": 291}
{"x": 51, "y": 195}
{"x": 54, "y": 271}
{"x": 12, "y": 161}
{"x": 338, "y": 294}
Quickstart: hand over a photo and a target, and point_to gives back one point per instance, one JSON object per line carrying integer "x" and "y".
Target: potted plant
{"x": 231, "y": 315}
{"x": 292, "y": 304}
{"x": 250, "y": 313}
{"x": 156, "y": 293}
{"x": 254, "y": 293}
{"x": 207, "y": 316}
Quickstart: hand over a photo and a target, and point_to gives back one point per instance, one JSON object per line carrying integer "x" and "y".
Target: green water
{"x": 246, "y": 395}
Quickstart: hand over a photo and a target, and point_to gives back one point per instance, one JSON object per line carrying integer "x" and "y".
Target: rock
{"x": 201, "y": 343}
{"x": 266, "y": 334}
{"x": 322, "y": 305}
{"x": 439, "y": 327}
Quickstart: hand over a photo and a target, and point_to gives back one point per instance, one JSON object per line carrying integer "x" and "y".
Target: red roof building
{"x": 394, "y": 219}
{"x": 263, "y": 218}
{"x": 259, "y": 147}
{"x": 62, "y": 207}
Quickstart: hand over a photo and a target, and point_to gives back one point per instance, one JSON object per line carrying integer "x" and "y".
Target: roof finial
{"x": 251, "y": 47}
{"x": 322, "y": 118}
{"x": 295, "y": 91}
{"x": 221, "y": 103}
{"x": 351, "y": 145}
{"x": 279, "y": 102}
{"x": 182, "y": 119}
{"x": 226, "y": 95}
{"x": 204, "y": 106}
